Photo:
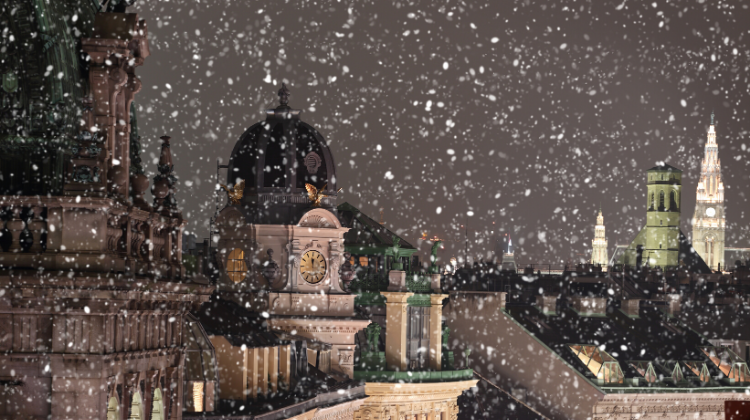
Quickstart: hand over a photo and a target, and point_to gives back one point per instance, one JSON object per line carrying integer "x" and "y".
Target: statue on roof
{"x": 284, "y": 94}
{"x": 397, "y": 264}
{"x": 433, "y": 256}
{"x": 373, "y": 334}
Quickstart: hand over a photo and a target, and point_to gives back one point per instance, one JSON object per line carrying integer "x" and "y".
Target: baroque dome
{"x": 276, "y": 158}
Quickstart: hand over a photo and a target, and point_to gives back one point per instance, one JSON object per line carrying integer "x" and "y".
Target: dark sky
{"x": 527, "y": 114}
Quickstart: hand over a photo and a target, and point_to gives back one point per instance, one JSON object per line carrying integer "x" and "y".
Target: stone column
{"x": 285, "y": 364}
{"x": 253, "y": 372}
{"x": 273, "y": 366}
{"x": 396, "y": 318}
{"x": 436, "y": 331}
{"x": 263, "y": 367}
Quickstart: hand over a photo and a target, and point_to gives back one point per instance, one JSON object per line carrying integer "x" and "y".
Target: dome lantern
{"x": 276, "y": 158}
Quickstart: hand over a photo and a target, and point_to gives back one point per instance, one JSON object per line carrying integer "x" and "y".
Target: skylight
{"x": 599, "y": 362}
{"x": 728, "y": 362}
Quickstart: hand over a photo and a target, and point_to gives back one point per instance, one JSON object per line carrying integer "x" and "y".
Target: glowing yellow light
{"x": 198, "y": 396}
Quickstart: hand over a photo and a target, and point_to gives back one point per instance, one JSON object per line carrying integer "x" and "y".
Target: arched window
{"x": 236, "y": 266}
{"x": 136, "y": 407}
{"x": 661, "y": 200}
{"x": 651, "y": 203}
{"x": 157, "y": 409}
{"x": 673, "y": 201}
{"x": 113, "y": 409}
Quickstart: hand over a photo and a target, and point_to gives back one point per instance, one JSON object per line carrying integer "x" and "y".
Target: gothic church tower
{"x": 599, "y": 253}
{"x": 709, "y": 221}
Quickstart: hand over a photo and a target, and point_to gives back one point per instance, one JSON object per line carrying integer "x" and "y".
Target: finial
{"x": 284, "y": 95}
{"x": 712, "y": 117}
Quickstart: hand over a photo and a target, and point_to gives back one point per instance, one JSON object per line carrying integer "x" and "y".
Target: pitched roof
{"x": 650, "y": 337}
{"x": 365, "y": 231}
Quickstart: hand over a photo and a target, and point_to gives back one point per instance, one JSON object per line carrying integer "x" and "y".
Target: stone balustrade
{"x": 89, "y": 234}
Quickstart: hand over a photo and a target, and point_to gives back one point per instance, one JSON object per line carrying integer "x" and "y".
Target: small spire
{"x": 284, "y": 95}
{"x": 712, "y": 117}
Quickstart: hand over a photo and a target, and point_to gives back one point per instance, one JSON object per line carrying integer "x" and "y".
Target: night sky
{"x": 526, "y": 114}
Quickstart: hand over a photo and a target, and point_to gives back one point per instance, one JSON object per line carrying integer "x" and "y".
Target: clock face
{"x": 313, "y": 267}
{"x": 710, "y": 212}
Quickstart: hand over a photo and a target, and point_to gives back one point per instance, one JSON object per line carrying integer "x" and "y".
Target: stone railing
{"x": 414, "y": 376}
{"x": 369, "y": 282}
{"x": 418, "y": 282}
{"x": 88, "y": 234}
{"x": 23, "y": 229}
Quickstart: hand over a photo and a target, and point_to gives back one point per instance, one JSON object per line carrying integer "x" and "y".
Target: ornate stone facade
{"x": 599, "y": 243}
{"x": 93, "y": 294}
{"x": 703, "y": 405}
{"x": 709, "y": 221}
{"x": 424, "y": 401}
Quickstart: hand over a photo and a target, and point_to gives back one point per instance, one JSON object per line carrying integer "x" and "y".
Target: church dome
{"x": 276, "y": 158}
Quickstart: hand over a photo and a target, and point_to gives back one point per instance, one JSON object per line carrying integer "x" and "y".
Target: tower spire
{"x": 712, "y": 117}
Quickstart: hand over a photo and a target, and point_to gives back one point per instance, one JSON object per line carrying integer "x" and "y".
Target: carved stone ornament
{"x": 270, "y": 268}
{"x": 312, "y": 163}
{"x": 85, "y": 173}
{"x": 346, "y": 273}
{"x": 316, "y": 221}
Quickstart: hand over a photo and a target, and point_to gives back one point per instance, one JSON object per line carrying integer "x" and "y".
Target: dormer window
{"x": 236, "y": 265}
{"x": 599, "y": 362}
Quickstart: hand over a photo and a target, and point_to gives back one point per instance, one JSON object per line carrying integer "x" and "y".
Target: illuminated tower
{"x": 709, "y": 221}
{"x": 599, "y": 252}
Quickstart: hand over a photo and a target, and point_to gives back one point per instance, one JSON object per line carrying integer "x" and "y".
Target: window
{"x": 363, "y": 262}
{"x": 661, "y": 200}
{"x": 652, "y": 205}
{"x": 236, "y": 266}
{"x": 728, "y": 362}
{"x": 600, "y": 363}
{"x": 418, "y": 337}
{"x": 646, "y": 369}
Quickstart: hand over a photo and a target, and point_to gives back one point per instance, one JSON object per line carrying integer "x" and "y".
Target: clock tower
{"x": 709, "y": 221}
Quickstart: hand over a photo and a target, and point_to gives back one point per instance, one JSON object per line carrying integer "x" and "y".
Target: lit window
{"x": 699, "y": 369}
{"x": 729, "y": 363}
{"x": 599, "y": 362}
{"x": 236, "y": 266}
{"x": 363, "y": 261}
{"x": 646, "y": 369}
{"x": 198, "y": 396}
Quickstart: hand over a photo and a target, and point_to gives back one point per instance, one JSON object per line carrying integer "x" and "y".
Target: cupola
{"x": 276, "y": 158}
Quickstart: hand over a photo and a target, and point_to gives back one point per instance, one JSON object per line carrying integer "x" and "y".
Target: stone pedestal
{"x": 435, "y": 283}
{"x": 436, "y": 329}
{"x": 397, "y": 281}
{"x": 396, "y": 317}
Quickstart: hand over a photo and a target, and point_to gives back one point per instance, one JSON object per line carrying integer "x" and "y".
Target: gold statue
{"x": 235, "y": 194}
{"x": 315, "y": 194}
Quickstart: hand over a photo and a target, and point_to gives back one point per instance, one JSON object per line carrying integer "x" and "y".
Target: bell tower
{"x": 709, "y": 221}
{"x": 599, "y": 243}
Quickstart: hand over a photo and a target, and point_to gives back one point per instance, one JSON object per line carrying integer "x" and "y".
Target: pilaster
{"x": 436, "y": 330}
{"x": 396, "y": 317}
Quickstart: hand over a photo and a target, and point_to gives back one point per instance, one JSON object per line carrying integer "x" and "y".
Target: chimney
{"x": 631, "y": 307}
{"x": 547, "y": 304}
{"x": 589, "y": 306}
{"x": 673, "y": 304}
